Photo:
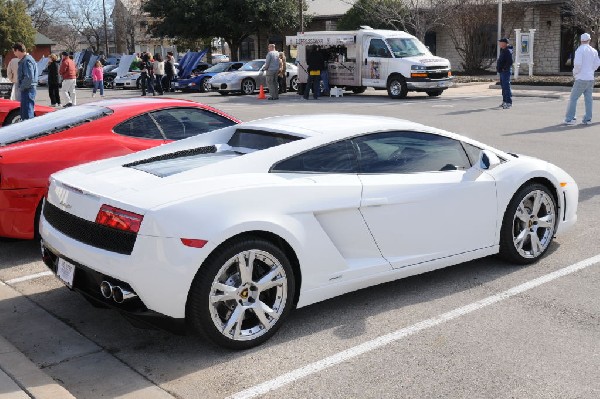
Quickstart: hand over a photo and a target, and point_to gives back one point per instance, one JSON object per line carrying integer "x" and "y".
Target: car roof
{"x": 120, "y": 103}
{"x": 338, "y": 124}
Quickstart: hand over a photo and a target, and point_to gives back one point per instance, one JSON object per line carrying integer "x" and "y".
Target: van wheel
{"x": 396, "y": 87}
{"x": 435, "y": 93}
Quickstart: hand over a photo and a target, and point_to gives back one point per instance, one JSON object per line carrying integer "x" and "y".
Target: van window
{"x": 377, "y": 48}
{"x": 407, "y": 47}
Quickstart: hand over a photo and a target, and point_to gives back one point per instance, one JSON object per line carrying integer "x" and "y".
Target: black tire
{"x": 36, "y": 221}
{"x": 359, "y": 89}
{"x": 294, "y": 84}
{"x": 511, "y": 224}
{"x": 204, "y": 85}
{"x": 209, "y": 319}
{"x": 13, "y": 116}
{"x": 248, "y": 86}
{"x": 396, "y": 87}
{"x": 435, "y": 93}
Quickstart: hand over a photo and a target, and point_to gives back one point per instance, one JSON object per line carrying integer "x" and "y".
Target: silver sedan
{"x": 249, "y": 78}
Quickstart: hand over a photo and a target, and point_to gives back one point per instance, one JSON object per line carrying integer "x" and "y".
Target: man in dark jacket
{"x": 316, "y": 63}
{"x": 503, "y": 67}
{"x": 169, "y": 71}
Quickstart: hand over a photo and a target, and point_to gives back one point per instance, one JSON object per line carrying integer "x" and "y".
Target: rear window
{"x": 247, "y": 139}
{"x": 51, "y": 123}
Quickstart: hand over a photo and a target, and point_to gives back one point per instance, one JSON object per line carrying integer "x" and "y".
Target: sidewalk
{"x": 492, "y": 89}
{"x": 20, "y": 378}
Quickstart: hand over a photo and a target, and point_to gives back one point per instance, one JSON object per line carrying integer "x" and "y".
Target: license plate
{"x": 442, "y": 84}
{"x": 65, "y": 271}
{"x": 175, "y": 84}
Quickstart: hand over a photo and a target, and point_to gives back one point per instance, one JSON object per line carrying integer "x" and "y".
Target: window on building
{"x": 247, "y": 51}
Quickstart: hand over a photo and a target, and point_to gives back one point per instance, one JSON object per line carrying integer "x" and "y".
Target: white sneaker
{"x": 93, "y": 95}
{"x": 571, "y": 122}
{"x": 586, "y": 122}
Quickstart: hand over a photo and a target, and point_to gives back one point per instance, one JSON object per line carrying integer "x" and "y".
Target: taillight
{"x": 119, "y": 219}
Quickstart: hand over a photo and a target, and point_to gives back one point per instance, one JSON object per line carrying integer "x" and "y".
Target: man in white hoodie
{"x": 12, "y": 71}
{"x": 584, "y": 65}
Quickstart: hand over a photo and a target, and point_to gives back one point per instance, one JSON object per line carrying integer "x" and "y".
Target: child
{"x": 98, "y": 78}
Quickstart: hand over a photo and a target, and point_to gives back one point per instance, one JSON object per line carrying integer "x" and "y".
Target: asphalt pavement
{"x": 480, "y": 329}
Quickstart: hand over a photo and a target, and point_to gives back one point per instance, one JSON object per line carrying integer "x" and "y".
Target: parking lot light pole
{"x": 499, "y": 28}
{"x": 301, "y": 9}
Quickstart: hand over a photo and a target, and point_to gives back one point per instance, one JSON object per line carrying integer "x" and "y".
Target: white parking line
{"x": 29, "y": 277}
{"x": 376, "y": 343}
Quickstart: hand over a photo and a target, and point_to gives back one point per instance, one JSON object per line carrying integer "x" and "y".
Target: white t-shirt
{"x": 585, "y": 63}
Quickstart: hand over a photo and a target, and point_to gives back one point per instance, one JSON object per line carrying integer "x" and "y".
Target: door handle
{"x": 374, "y": 201}
{"x": 365, "y": 61}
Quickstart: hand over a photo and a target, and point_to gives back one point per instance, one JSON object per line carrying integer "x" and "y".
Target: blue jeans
{"x": 580, "y": 87}
{"x": 98, "y": 84}
{"x": 27, "y": 103}
{"x": 505, "y": 83}
{"x": 325, "y": 80}
{"x": 314, "y": 83}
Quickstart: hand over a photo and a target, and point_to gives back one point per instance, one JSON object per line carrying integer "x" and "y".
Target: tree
{"x": 43, "y": 13}
{"x": 15, "y": 25}
{"x": 233, "y": 20}
{"x": 367, "y": 12}
{"x": 586, "y": 15}
{"x": 86, "y": 18}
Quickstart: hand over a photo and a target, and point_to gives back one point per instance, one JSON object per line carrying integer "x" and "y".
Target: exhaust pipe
{"x": 106, "y": 289}
{"x": 120, "y": 295}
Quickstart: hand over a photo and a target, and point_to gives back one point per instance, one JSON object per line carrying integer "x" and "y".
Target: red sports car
{"x": 30, "y": 151}
{"x": 9, "y": 111}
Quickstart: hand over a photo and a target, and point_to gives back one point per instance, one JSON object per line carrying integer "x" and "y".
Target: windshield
{"x": 222, "y": 67}
{"x": 252, "y": 66}
{"x": 50, "y": 123}
{"x": 407, "y": 47}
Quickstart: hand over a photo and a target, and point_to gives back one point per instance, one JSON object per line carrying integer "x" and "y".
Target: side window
{"x": 181, "y": 123}
{"x": 332, "y": 158}
{"x": 409, "y": 152}
{"x": 142, "y": 127}
{"x": 472, "y": 152}
{"x": 377, "y": 48}
{"x": 236, "y": 66}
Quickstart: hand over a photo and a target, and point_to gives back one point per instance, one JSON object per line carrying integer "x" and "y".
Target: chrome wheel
{"x": 294, "y": 84}
{"x": 248, "y": 295}
{"x": 533, "y": 224}
{"x": 248, "y": 86}
{"x": 396, "y": 87}
{"x": 529, "y": 224}
{"x": 206, "y": 85}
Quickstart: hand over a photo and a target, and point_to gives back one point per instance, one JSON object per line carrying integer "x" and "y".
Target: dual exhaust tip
{"x": 118, "y": 294}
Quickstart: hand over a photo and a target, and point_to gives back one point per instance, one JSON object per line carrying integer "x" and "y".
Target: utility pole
{"x": 105, "y": 29}
{"x": 301, "y": 9}
{"x": 499, "y": 27}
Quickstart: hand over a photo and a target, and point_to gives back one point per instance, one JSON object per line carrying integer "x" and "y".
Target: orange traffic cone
{"x": 261, "y": 93}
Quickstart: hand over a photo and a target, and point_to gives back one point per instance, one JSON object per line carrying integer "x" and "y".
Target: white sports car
{"x": 230, "y": 230}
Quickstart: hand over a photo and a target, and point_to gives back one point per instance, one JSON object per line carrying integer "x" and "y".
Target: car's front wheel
{"x": 205, "y": 85}
{"x": 248, "y": 86}
{"x": 242, "y": 294}
{"x": 13, "y": 117}
{"x": 529, "y": 224}
{"x": 294, "y": 84}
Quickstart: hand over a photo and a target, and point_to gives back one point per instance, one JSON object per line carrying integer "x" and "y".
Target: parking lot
{"x": 481, "y": 329}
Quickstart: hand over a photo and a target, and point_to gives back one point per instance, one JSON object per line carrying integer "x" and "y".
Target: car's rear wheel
{"x": 205, "y": 85}
{"x": 529, "y": 224}
{"x": 13, "y": 116}
{"x": 248, "y": 86}
{"x": 241, "y": 294}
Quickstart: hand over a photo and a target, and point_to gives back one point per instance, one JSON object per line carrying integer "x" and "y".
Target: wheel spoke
{"x": 235, "y": 320}
{"x": 536, "y": 246}
{"x": 261, "y": 311}
{"x": 537, "y": 202}
{"x": 270, "y": 280}
{"x": 522, "y": 213}
{"x": 520, "y": 240}
{"x": 546, "y": 222}
{"x": 246, "y": 266}
{"x": 229, "y": 293}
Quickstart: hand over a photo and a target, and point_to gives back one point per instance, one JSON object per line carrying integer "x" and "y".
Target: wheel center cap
{"x": 244, "y": 294}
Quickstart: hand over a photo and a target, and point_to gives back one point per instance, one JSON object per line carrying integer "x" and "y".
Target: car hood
{"x": 427, "y": 60}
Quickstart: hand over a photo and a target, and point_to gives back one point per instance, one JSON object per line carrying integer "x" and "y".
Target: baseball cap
{"x": 586, "y": 37}
{"x": 503, "y": 40}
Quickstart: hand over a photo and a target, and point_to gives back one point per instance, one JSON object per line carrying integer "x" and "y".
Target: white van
{"x": 383, "y": 59}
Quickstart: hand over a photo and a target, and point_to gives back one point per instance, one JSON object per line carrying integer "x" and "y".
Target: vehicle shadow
{"x": 162, "y": 357}
{"x": 559, "y": 128}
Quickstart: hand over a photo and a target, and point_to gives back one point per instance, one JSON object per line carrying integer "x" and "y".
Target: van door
{"x": 375, "y": 62}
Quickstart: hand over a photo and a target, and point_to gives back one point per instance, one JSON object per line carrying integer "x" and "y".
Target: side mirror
{"x": 488, "y": 160}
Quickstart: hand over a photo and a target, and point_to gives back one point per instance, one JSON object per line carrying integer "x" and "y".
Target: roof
{"x": 42, "y": 40}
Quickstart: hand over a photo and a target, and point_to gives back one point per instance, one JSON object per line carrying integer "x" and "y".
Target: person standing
{"x": 159, "y": 72}
{"x": 272, "y": 70}
{"x": 53, "y": 81}
{"x": 169, "y": 71}
{"x": 503, "y": 67}
{"x": 69, "y": 74}
{"x": 12, "y": 71}
{"x": 98, "y": 78}
{"x": 147, "y": 75}
{"x": 27, "y": 78}
{"x": 585, "y": 63}
{"x": 315, "y": 64}
{"x": 281, "y": 77}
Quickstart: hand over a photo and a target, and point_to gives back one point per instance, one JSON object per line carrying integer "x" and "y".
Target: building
{"x": 42, "y": 48}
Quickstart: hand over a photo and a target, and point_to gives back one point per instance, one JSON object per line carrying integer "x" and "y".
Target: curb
{"x": 28, "y": 381}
